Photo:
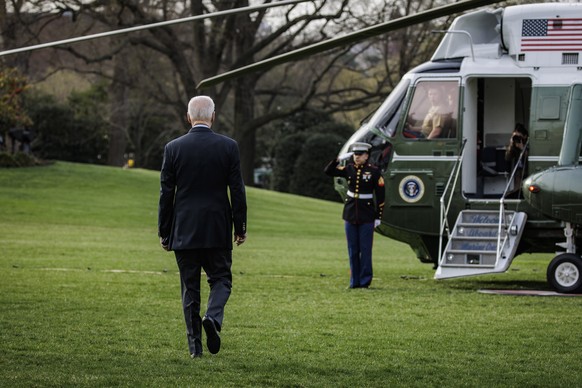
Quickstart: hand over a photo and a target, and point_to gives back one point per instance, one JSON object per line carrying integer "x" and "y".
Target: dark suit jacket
{"x": 198, "y": 170}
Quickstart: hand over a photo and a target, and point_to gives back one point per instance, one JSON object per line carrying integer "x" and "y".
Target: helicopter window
{"x": 433, "y": 111}
{"x": 380, "y": 152}
{"x": 387, "y": 116}
{"x": 569, "y": 154}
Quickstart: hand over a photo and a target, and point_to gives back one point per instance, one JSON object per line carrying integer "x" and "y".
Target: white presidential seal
{"x": 411, "y": 189}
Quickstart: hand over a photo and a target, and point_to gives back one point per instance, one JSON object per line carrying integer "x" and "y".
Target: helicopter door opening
{"x": 492, "y": 109}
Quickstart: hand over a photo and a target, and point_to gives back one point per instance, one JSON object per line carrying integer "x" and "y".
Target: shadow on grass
{"x": 499, "y": 284}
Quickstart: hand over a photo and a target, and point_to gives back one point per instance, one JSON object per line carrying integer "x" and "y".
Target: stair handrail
{"x": 444, "y": 210}
{"x": 502, "y": 222}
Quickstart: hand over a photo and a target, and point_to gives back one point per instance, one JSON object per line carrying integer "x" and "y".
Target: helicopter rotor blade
{"x": 153, "y": 25}
{"x": 352, "y": 38}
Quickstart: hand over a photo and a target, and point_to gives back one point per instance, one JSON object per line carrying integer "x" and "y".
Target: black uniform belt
{"x": 360, "y": 196}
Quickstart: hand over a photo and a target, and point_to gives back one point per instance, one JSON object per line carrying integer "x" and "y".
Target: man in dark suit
{"x": 196, "y": 218}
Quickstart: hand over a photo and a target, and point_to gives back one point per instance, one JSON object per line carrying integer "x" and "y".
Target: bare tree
{"x": 180, "y": 56}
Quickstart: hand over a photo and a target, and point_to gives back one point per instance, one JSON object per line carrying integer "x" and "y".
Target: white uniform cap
{"x": 360, "y": 147}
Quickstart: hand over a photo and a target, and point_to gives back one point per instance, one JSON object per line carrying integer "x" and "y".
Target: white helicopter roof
{"x": 533, "y": 35}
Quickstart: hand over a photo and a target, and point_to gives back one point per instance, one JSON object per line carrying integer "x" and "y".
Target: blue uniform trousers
{"x": 360, "y": 238}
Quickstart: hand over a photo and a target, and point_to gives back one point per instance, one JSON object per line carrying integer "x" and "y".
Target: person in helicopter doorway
{"x": 517, "y": 142}
{"x": 363, "y": 208}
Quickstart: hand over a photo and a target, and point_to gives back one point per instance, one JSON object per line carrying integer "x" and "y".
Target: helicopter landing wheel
{"x": 565, "y": 273}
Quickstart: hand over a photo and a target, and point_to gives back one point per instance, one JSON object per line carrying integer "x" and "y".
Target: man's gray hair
{"x": 201, "y": 108}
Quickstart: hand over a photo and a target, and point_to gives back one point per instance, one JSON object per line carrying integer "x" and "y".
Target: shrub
{"x": 19, "y": 159}
{"x": 308, "y": 178}
{"x": 287, "y": 152}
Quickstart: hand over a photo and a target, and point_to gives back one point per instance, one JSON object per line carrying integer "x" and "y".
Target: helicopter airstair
{"x": 481, "y": 242}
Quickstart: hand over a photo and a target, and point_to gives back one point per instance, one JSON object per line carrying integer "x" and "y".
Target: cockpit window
{"x": 433, "y": 112}
{"x": 387, "y": 116}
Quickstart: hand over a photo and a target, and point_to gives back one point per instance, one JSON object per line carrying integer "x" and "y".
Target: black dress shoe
{"x": 195, "y": 345}
{"x": 212, "y": 336}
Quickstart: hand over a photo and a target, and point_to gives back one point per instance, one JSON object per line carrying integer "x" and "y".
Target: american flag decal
{"x": 551, "y": 35}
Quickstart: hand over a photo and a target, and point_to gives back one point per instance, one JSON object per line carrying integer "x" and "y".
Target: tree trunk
{"x": 119, "y": 122}
{"x": 245, "y": 136}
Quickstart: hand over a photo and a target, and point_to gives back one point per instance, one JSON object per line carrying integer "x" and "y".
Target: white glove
{"x": 377, "y": 223}
{"x": 345, "y": 156}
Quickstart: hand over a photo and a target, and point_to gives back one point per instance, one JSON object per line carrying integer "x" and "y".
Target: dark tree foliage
{"x": 312, "y": 137}
{"x": 287, "y": 152}
{"x": 308, "y": 178}
{"x": 75, "y": 131}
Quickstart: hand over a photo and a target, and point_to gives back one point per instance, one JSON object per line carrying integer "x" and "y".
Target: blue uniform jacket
{"x": 363, "y": 181}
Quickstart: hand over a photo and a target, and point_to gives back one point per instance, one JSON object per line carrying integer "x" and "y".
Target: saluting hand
{"x": 345, "y": 156}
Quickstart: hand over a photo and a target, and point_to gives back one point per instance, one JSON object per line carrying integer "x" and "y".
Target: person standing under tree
{"x": 361, "y": 212}
{"x": 196, "y": 218}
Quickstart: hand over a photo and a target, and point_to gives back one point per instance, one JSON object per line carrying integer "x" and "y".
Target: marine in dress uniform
{"x": 363, "y": 208}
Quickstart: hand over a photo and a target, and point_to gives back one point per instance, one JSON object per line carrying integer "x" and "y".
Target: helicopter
{"x": 448, "y": 196}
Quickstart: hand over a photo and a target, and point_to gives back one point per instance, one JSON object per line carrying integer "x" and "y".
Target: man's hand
{"x": 377, "y": 223}
{"x": 240, "y": 239}
{"x": 165, "y": 246}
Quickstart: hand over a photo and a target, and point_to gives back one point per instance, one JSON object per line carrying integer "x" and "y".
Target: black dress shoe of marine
{"x": 212, "y": 336}
{"x": 196, "y": 355}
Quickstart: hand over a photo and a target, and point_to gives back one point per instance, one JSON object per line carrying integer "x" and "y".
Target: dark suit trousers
{"x": 217, "y": 265}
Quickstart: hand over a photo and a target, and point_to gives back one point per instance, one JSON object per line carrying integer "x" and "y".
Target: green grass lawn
{"x": 88, "y": 298}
